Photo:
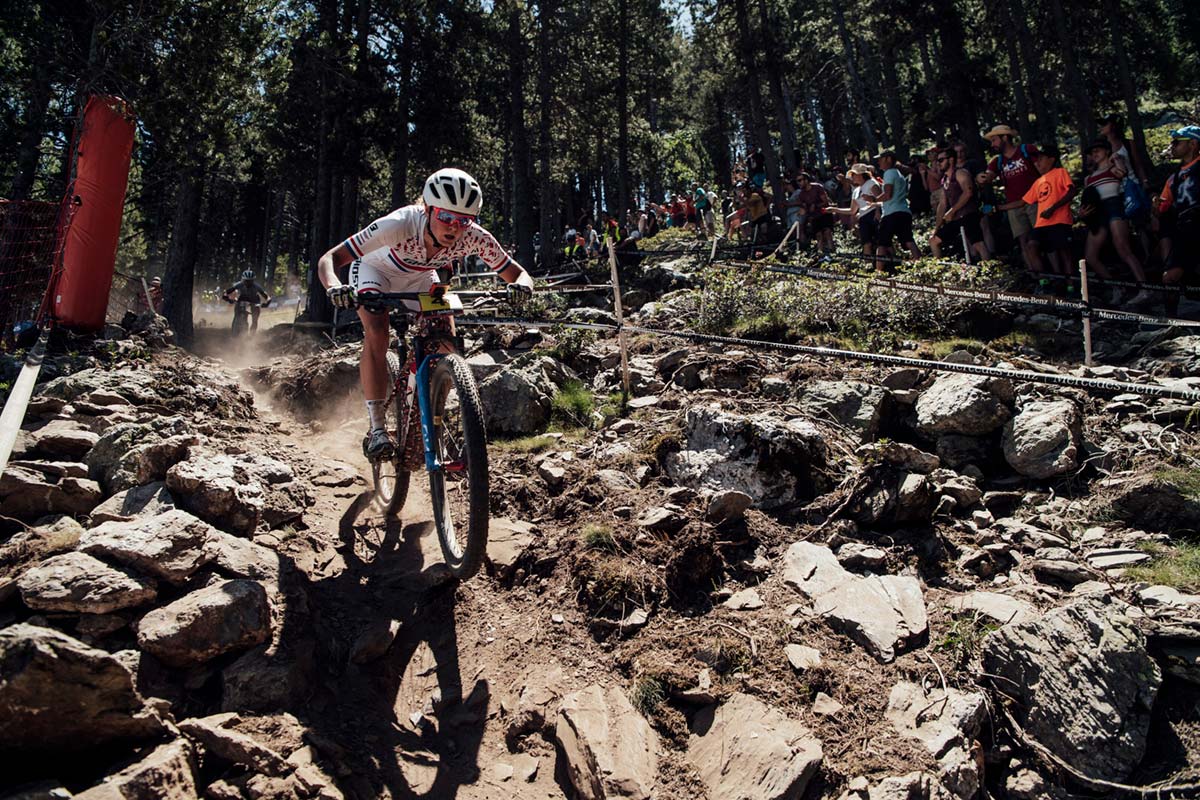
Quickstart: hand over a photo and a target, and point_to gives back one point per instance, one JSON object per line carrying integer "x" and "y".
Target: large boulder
{"x": 1044, "y": 439}
{"x": 78, "y": 583}
{"x": 1165, "y": 500}
{"x": 133, "y": 453}
{"x": 29, "y": 493}
{"x": 776, "y": 461}
{"x": 209, "y": 622}
{"x": 63, "y": 439}
{"x": 971, "y": 405}
{"x": 1083, "y": 684}
{"x": 883, "y": 613}
{"x": 1180, "y": 355}
{"x": 59, "y": 695}
{"x": 140, "y": 501}
{"x": 220, "y": 489}
{"x": 167, "y": 773}
{"x": 169, "y": 546}
{"x": 609, "y": 749}
{"x": 744, "y": 749}
{"x": 516, "y": 400}
{"x": 853, "y": 404}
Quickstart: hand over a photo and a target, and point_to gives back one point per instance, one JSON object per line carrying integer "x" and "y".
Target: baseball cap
{"x": 1188, "y": 132}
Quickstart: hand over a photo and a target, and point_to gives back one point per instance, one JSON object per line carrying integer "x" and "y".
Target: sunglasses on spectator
{"x": 451, "y": 218}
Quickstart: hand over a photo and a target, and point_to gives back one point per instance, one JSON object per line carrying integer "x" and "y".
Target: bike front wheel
{"x": 459, "y": 487}
{"x": 391, "y": 482}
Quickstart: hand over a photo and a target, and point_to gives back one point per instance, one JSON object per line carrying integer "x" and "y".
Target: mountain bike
{"x": 431, "y": 373}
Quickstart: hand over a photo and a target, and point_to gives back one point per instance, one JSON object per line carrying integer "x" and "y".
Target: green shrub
{"x": 572, "y": 405}
{"x": 597, "y": 536}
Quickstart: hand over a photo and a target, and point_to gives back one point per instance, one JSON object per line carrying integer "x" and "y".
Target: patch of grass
{"x": 665, "y": 443}
{"x": 614, "y": 584}
{"x": 965, "y": 637}
{"x": 1186, "y": 480}
{"x": 597, "y": 536}
{"x": 569, "y": 343}
{"x": 572, "y": 405}
{"x": 524, "y": 444}
{"x": 647, "y": 695}
{"x": 614, "y": 406}
{"x": 947, "y": 346}
{"x": 1178, "y": 566}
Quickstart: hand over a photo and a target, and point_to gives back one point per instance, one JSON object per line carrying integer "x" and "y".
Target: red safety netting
{"x": 29, "y": 249}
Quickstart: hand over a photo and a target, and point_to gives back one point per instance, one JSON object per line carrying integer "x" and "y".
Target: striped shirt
{"x": 400, "y": 237}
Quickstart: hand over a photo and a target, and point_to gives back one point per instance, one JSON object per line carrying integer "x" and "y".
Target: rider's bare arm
{"x": 515, "y": 273}
{"x": 328, "y": 264}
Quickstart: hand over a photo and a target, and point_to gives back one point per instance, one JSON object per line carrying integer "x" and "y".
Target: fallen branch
{"x": 749, "y": 638}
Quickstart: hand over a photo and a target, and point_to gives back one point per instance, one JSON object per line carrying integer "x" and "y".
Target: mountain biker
{"x": 246, "y": 290}
{"x": 402, "y": 252}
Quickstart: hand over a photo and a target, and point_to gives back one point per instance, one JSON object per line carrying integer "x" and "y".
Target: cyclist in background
{"x": 402, "y": 253}
{"x": 247, "y": 290}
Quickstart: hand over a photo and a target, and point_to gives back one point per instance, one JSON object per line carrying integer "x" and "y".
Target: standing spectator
{"x": 795, "y": 211}
{"x": 896, "y": 219}
{"x": 1105, "y": 213}
{"x": 933, "y": 178}
{"x": 814, "y": 201}
{"x": 758, "y": 214}
{"x": 918, "y": 188}
{"x": 689, "y": 209}
{"x": 958, "y": 211}
{"x": 1136, "y": 181}
{"x": 862, "y": 207}
{"x": 757, "y": 164}
{"x": 1050, "y": 196}
{"x": 1015, "y": 169}
{"x": 975, "y": 166}
{"x": 704, "y": 215}
{"x": 1179, "y": 213}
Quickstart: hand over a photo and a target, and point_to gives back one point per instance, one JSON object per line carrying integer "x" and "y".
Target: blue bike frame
{"x": 425, "y": 405}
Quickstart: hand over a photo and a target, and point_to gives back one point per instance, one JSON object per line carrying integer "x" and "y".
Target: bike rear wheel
{"x": 459, "y": 487}
{"x": 391, "y": 482}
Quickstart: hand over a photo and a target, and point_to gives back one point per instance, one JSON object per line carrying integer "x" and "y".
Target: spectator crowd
{"x": 1021, "y": 204}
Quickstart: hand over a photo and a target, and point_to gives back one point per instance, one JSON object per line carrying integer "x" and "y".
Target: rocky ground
{"x": 767, "y": 576}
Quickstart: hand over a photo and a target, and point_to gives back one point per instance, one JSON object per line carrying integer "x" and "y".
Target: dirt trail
{"x": 424, "y": 719}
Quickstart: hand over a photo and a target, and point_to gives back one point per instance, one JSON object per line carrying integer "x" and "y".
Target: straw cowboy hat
{"x": 861, "y": 169}
{"x": 1000, "y": 130}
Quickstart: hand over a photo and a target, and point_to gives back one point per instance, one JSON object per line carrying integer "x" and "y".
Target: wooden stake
{"x": 616, "y": 282}
{"x": 1087, "y": 319}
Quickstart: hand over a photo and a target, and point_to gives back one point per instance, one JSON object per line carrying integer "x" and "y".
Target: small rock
{"x": 501, "y": 771}
{"x": 802, "y": 658}
{"x": 170, "y": 546}
{"x": 374, "y": 641}
{"x": 745, "y": 600}
{"x": 557, "y": 619}
{"x": 204, "y": 624}
{"x": 524, "y": 767}
{"x": 856, "y": 555}
{"x": 77, "y": 582}
{"x": 662, "y": 519}
{"x": 1116, "y": 558}
{"x": 728, "y": 506}
{"x": 168, "y": 773}
{"x": 826, "y": 706}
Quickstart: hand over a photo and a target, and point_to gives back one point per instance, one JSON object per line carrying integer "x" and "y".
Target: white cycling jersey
{"x": 389, "y": 254}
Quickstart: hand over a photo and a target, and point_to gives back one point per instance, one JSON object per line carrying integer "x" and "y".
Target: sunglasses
{"x": 452, "y": 218}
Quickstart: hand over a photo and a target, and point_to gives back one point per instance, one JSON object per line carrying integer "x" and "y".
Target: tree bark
{"x": 179, "y": 281}
{"x": 857, "y": 86}
{"x": 623, "y": 179}
{"x": 1085, "y": 124}
{"x": 1047, "y": 122}
{"x": 1112, "y": 10}
{"x": 783, "y": 104}
{"x": 955, "y": 71}
{"x": 549, "y": 202}
{"x": 522, "y": 215}
{"x": 1003, "y": 20}
{"x": 33, "y": 128}
{"x": 758, "y": 119}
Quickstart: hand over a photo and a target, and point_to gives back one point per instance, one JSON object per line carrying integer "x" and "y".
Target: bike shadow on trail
{"x": 399, "y": 724}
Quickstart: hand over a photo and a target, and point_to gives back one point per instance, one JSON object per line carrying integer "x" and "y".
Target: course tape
{"x": 1095, "y": 384}
{"x": 997, "y": 296}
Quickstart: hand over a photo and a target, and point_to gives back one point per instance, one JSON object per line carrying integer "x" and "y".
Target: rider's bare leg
{"x": 372, "y": 363}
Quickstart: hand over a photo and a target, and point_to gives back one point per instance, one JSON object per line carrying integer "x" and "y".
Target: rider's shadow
{"x": 399, "y": 722}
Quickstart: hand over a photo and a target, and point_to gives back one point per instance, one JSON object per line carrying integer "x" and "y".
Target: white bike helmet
{"x": 453, "y": 190}
{"x": 248, "y": 275}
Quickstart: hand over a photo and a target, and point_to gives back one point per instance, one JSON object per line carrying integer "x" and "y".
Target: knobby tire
{"x": 390, "y": 479}
{"x": 460, "y": 499}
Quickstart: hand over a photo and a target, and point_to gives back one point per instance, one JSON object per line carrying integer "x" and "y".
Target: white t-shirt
{"x": 861, "y": 195}
{"x": 399, "y": 240}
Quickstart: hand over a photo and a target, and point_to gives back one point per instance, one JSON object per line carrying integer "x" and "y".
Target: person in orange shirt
{"x": 1051, "y": 193}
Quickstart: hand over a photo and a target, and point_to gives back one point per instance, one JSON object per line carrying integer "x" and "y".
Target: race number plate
{"x": 448, "y": 303}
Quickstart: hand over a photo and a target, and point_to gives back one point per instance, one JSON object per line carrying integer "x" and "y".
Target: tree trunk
{"x": 757, "y": 118}
{"x": 1112, "y": 10}
{"x": 179, "y": 281}
{"x": 1047, "y": 123}
{"x": 1084, "y": 123}
{"x": 400, "y": 132}
{"x": 547, "y": 11}
{"x": 623, "y": 181}
{"x": 319, "y": 308}
{"x": 857, "y": 86}
{"x": 783, "y": 104}
{"x": 33, "y": 128}
{"x": 954, "y": 69}
{"x": 522, "y": 193}
{"x": 1002, "y": 19}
